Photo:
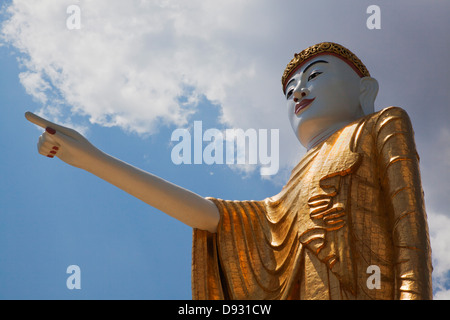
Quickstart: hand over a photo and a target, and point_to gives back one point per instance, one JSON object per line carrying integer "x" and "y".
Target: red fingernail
{"x": 50, "y": 130}
{"x": 53, "y": 152}
{"x": 50, "y": 156}
{"x": 55, "y": 148}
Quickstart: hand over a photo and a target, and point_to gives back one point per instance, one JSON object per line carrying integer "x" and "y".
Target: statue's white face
{"x": 322, "y": 97}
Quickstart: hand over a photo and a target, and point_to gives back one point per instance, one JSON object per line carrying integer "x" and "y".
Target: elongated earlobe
{"x": 368, "y": 93}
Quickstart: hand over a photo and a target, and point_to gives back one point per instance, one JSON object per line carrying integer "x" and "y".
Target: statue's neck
{"x": 324, "y": 135}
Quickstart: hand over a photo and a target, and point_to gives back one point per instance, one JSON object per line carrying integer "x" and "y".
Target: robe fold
{"x": 353, "y": 202}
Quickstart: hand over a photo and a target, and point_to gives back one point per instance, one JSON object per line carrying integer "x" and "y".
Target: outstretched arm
{"x": 72, "y": 148}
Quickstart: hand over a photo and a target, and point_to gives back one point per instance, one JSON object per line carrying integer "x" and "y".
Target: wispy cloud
{"x": 440, "y": 243}
{"x": 130, "y": 63}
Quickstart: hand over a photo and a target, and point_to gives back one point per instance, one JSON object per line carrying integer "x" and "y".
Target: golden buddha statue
{"x": 354, "y": 201}
{"x": 353, "y": 204}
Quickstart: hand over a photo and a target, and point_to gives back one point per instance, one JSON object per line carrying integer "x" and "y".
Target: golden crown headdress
{"x": 330, "y": 48}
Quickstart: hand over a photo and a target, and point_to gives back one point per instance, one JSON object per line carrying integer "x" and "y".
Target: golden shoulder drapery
{"x": 352, "y": 202}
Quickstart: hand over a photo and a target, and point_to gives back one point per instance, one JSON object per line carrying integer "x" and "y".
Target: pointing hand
{"x": 62, "y": 142}
{"x": 74, "y": 149}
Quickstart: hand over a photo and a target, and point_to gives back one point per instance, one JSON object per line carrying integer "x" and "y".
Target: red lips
{"x": 302, "y": 105}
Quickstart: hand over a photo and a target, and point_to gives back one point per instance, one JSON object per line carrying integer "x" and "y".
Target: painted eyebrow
{"x": 287, "y": 85}
{"x": 310, "y": 65}
{"x": 313, "y": 63}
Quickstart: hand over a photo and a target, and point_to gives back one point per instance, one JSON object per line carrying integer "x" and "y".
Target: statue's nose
{"x": 303, "y": 93}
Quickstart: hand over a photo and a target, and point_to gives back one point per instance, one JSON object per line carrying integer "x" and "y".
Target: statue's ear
{"x": 368, "y": 93}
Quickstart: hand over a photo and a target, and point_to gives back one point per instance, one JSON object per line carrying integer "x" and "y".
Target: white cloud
{"x": 131, "y": 62}
{"x": 440, "y": 244}
{"x": 143, "y": 64}
{"x": 442, "y": 295}
{"x": 35, "y": 85}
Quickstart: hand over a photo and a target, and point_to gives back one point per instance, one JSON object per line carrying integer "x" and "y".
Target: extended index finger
{"x": 41, "y": 122}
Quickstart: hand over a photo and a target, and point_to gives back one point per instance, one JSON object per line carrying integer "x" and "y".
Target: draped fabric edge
{"x": 233, "y": 276}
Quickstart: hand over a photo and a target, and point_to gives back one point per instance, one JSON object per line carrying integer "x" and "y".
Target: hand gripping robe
{"x": 354, "y": 201}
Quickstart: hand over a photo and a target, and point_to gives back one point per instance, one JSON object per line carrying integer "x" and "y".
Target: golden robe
{"x": 353, "y": 202}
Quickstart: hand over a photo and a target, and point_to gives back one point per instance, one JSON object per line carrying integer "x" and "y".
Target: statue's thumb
{"x": 57, "y": 136}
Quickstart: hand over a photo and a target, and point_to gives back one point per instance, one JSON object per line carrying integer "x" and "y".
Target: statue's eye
{"x": 313, "y": 75}
{"x": 289, "y": 93}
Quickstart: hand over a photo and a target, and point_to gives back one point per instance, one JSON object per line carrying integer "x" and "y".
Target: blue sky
{"x": 133, "y": 74}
